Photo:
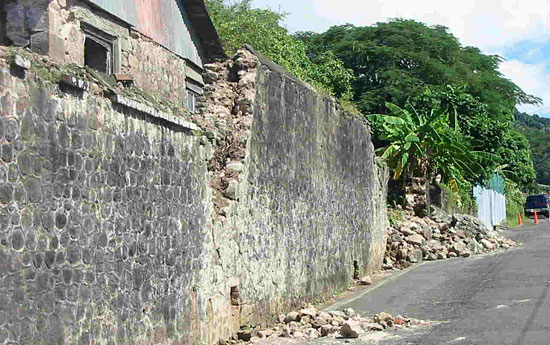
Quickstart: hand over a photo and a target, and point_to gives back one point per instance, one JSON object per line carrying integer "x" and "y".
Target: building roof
{"x": 178, "y": 25}
{"x": 196, "y": 10}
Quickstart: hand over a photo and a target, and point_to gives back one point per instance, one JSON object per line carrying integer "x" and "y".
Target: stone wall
{"x": 103, "y": 212}
{"x": 310, "y": 167}
{"x": 155, "y": 69}
{"x": 122, "y": 226}
{"x": 302, "y": 206}
{"x": 27, "y": 23}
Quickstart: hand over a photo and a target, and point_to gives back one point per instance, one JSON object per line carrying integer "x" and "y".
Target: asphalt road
{"x": 502, "y": 298}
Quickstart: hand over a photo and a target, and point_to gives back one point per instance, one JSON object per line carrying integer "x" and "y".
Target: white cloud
{"x": 533, "y": 79}
{"x": 488, "y": 24}
{"x": 491, "y": 25}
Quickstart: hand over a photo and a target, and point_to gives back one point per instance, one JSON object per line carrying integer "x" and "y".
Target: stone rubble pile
{"x": 440, "y": 237}
{"x": 226, "y": 118}
{"x": 310, "y": 323}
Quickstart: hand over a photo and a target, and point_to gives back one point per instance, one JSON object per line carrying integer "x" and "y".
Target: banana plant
{"x": 424, "y": 145}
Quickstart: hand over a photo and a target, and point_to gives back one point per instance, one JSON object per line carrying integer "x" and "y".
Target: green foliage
{"x": 514, "y": 195}
{"x": 402, "y": 61}
{"x": 494, "y": 136}
{"x": 461, "y": 201}
{"x": 515, "y": 152}
{"x": 406, "y": 61}
{"x": 398, "y": 60}
{"x": 514, "y": 202}
{"x": 395, "y": 216}
{"x": 466, "y": 196}
{"x": 537, "y": 131}
{"x": 238, "y": 24}
{"x": 423, "y": 144}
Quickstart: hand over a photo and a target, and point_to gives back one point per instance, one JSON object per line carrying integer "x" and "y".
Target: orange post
{"x": 536, "y": 218}
{"x": 520, "y": 219}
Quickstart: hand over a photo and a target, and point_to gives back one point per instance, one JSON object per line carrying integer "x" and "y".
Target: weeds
{"x": 396, "y": 216}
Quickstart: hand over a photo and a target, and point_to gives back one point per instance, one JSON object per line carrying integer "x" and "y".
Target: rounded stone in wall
{"x": 17, "y": 240}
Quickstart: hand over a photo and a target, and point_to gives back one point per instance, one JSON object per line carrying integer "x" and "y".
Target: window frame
{"x": 106, "y": 40}
{"x": 196, "y": 90}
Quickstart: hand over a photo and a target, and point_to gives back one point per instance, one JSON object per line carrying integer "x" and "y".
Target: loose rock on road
{"x": 502, "y": 298}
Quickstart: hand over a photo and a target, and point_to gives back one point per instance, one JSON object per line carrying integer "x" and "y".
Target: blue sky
{"x": 518, "y": 30}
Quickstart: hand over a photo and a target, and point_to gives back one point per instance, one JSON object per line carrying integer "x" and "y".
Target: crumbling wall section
{"x": 226, "y": 120}
{"x": 299, "y": 197}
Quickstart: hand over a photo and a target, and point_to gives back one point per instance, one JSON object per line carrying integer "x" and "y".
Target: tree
{"x": 238, "y": 24}
{"x": 537, "y": 131}
{"x": 515, "y": 152}
{"x": 495, "y": 136}
{"x": 399, "y": 60}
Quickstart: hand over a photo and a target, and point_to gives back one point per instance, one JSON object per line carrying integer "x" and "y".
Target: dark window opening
{"x": 97, "y": 56}
{"x": 100, "y": 50}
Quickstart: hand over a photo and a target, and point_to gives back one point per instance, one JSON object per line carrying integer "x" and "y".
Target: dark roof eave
{"x": 203, "y": 26}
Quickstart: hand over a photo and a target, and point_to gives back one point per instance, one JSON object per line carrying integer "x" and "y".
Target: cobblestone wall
{"x": 102, "y": 218}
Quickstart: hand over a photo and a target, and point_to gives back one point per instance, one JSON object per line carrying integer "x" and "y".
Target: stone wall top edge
{"x": 26, "y": 61}
{"x": 152, "y": 112}
{"x": 277, "y": 69}
{"x": 283, "y": 73}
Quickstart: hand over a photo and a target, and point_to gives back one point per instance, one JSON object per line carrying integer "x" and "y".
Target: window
{"x": 193, "y": 94}
{"x": 100, "y": 50}
{"x": 192, "y": 101}
{"x": 97, "y": 56}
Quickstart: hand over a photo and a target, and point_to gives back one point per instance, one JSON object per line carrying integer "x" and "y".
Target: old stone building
{"x": 160, "y": 44}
